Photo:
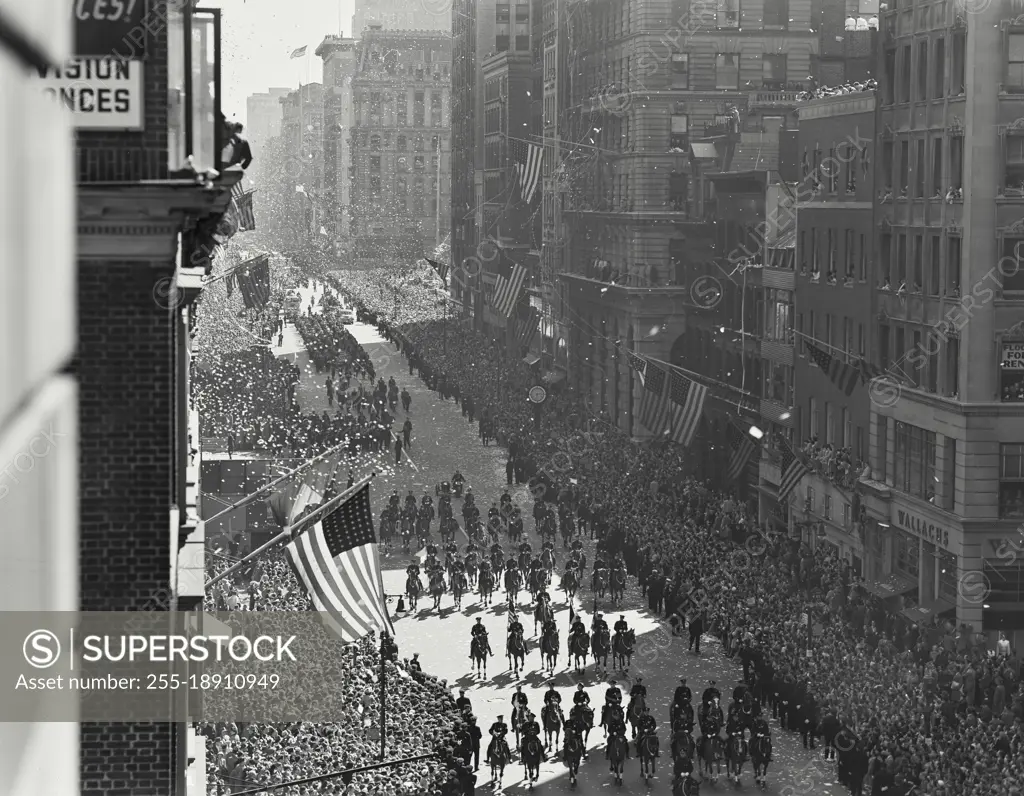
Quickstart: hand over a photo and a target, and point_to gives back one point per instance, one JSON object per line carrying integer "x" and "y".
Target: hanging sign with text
{"x": 1013, "y": 356}
{"x": 113, "y": 28}
{"x": 101, "y": 93}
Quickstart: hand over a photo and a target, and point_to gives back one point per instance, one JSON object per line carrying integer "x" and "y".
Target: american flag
{"x": 441, "y": 269}
{"x": 244, "y": 212}
{"x": 338, "y": 564}
{"x": 637, "y": 363}
{"x": 844, "y": 376}
{"x": 870, "y": 371}
{"x": 688, "y": 397}
{"x": 507, "y": 289}
{"x": 529, "y": 160}
{"x": 793, "y": 469}
{"x": 237, "y": 191}
{"x": 654, "y": 406}
{"x": 526, "y": 330}
{"x": 742, "y": 448}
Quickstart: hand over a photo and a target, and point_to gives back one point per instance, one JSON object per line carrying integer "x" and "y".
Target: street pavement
{"x": 444, "y": 440}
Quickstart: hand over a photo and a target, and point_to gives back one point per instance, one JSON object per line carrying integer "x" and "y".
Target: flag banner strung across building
{"x": 687, "y": 397}
{"x": 301, "y": 51}
{"x": 741, "y": 449}
{"x": 441, "y": 269}
{"x": 244, "y": 212}
{"x": 793, "y": 470}
{"x": 338, "y": 564}
{"x": 845, "y": 377}
{"x": 507, "y": 288}
{"x": 526, "y": 330}
{"x": 314, "y": 485}
{"x": 254, "y": 281}
{"x": 637, "y": 363}
{"x": 654, "y": 406}
{"x": 529, "y": 159}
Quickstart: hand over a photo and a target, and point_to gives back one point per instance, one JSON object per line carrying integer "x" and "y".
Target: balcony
{"x": 773, "y": 99}
{"x": 194, "y": 126}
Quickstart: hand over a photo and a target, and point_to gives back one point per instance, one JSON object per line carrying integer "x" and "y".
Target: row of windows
{"x": 838, "y": 429}
{"x": 381, "y": 142}
{"x": 908, "y": 77}
{"x": 929, "y": 360}
{"x": 914, "y": 462}
{"x": 920, "y": 264}
{"x": 840, "y": 255}
{"x": 836, "y": 333}
{"x": 915, "y": 176}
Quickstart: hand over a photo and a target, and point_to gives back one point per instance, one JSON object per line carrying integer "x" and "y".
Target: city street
{"x": 444, "y": 440}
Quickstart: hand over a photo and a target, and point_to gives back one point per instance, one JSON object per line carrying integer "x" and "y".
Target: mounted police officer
{"x": 498, "y": 732}
{"x": 598, "y": 624}
{"x": 551, "y": 695}
{"x": 581, "y": 697}
{"x": 683, "y": 695}
{"x": 711, "y": 693}
{"x": 479, "y": 631}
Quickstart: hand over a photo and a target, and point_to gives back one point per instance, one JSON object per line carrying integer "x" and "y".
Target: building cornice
{"x": 839, "y": 105}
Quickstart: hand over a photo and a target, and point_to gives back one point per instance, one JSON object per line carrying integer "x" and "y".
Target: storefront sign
{"x": 101, "y": 93}
{"x": 1013, "y": 356}
{"x": 919, "y": 526}
{"x": 108, "y": 28}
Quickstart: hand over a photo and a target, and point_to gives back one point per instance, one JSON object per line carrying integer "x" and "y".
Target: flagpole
{"x": 383, "y": 695}
{"x": 249, "y": 498}
{"x": 288, "y": 533}
{"x": 437, "y": 209}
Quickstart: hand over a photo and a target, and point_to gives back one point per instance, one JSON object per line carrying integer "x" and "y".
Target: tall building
{"x": 339, "y": 55}
{"x": 657, "y": 99}
{"x": 39, "y": 440}
{"x": 145, "y": 241}
{"x": 400, "y": 145}
{"x": 827, "y": 296}
{"x": 263, "y": 118}
{"x": 474, "y": 39}
{"x": 947, "y": 487}
{"x": 402, "y": 15}
{"x": 302, "y": 125}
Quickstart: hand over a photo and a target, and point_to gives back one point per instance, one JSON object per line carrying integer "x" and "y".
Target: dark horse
{"x": 549, "y": 650}
{"x": 532, "y": 752}
{"x": 579, "y": 648}
{"x": 600, "y": 643}
{"x": 584, "y": 714}
{"x": 648, "y": 749}
{"x": 622, "y": 647}
{"x": 617, "y": 753}
{"x": 572, "y": 753}
{"x": 515, "y": 649}
{"x": 479, "y": 655}
{"x": 761, "y": 756}
{"x": 736, "y": 754}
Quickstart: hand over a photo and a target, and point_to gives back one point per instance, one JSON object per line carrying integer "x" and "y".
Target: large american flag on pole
{"x": 793, "y": 469}
{"x": 337, "y": 562}
{"x": 687, "y": 397}
{"x": 654, "y": 406}
{"x": 507, "y": 290}
{"x": 529, "y": 159}
{"x": 742, "y": 447}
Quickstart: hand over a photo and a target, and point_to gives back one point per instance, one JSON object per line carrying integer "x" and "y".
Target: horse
{"x": 572, "y": 753}
{"x": 600, "y": 644}
{"x": 618, "y": 583}
{"x": 413, "y": 590}
{"x": 761, "y": 756}
{"x": 584, "y": 714}
{"x": 600, "y": 582}
{"x": 513, "y": 583}
{"x": 518, "y": 717}
{"x": 437, "y": 590}
{"x": 497, "y": 564}
{"x": 486, "y": 586}
{"x": 447, "y": 530}
{"x": 515, "y": 650}
{"x": 458, "y": 582}
{"x": 637, "y": 706}
{"x": 471, "y": 570}
{"x": 551, "y": 719}
{"x": 567, "y": 530}
{"x": 570, "y": 583}
{"x": 498, "y": 758}
{"x": 532, "y": 752}
{"x": 408, "y": 525}
{"x": 685, "y": 785}
{"x": 478, "y": 652}
{"x": 710, "y": 751}
{"x": 549, "y": 650}
{"x": 541, "y": 613}
{"x": 617, "y": 752}
{"x": 682, "y": 715}
{"x": 736, "y": 754}
{"x": 579, "y": 648}
{"x": 513, "y": 531}
{"x": 648, "y": 749}
{"x": 612, "y": 714}
{"x": 547, "y": 559}
{"x": 622, "y": 646}
{"x": 524, "y": 565}
{"x": 683, "y": 745}
{"x": 539, "y": 581}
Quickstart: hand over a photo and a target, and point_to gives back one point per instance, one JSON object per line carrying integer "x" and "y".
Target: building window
{"x": 728, "y": 13}
{"x": 1013, "y": 254}
{"x": 1011, "y": 481}
{"x": 375, "y": 163}
{"x": 776, "y": 14}
{"x": 914, "y": 470}
{"x": 375, "y": 183}
{"x": 773, "y": 72}
{"x": 906, "y": 555}
{"x": 847, "y": 428}
{"x": 828, "y": 506}
{"x": 1013, "y": 171}
{"x": 937, "y": 168}
{"x": 727, "y": 70}
{"x": 778, "y": 315}
{"x": 679, "y": 131}
{"x": 939, "y": 70}
{"x": 812, "y": 417}
{"x": 949, "y": 474}
{"x": 882, "y": 448}
{"x": 1015, "y": 65}
{"x": 830, "y": 424}
{"x": 680, "y": 70}
{"x": 418, "y": 163}
{"x": 949, "y": 576}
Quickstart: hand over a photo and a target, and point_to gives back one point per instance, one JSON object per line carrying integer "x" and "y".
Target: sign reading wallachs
{"x": 101, "y": 93}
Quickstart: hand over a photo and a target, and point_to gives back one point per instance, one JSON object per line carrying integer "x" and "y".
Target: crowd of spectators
{"x": 838, "y": 465}
{"x": 422, "y": 717}
{"x": 895, "y": 687}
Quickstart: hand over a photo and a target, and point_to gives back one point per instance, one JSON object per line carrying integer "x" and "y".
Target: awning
{"x": 892, "y": 586}
{"x": 704, "y": 151}
{"x": 553, "y": 377}
{"x": 531, "y": 359}
{"x": 925, "y": 613}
